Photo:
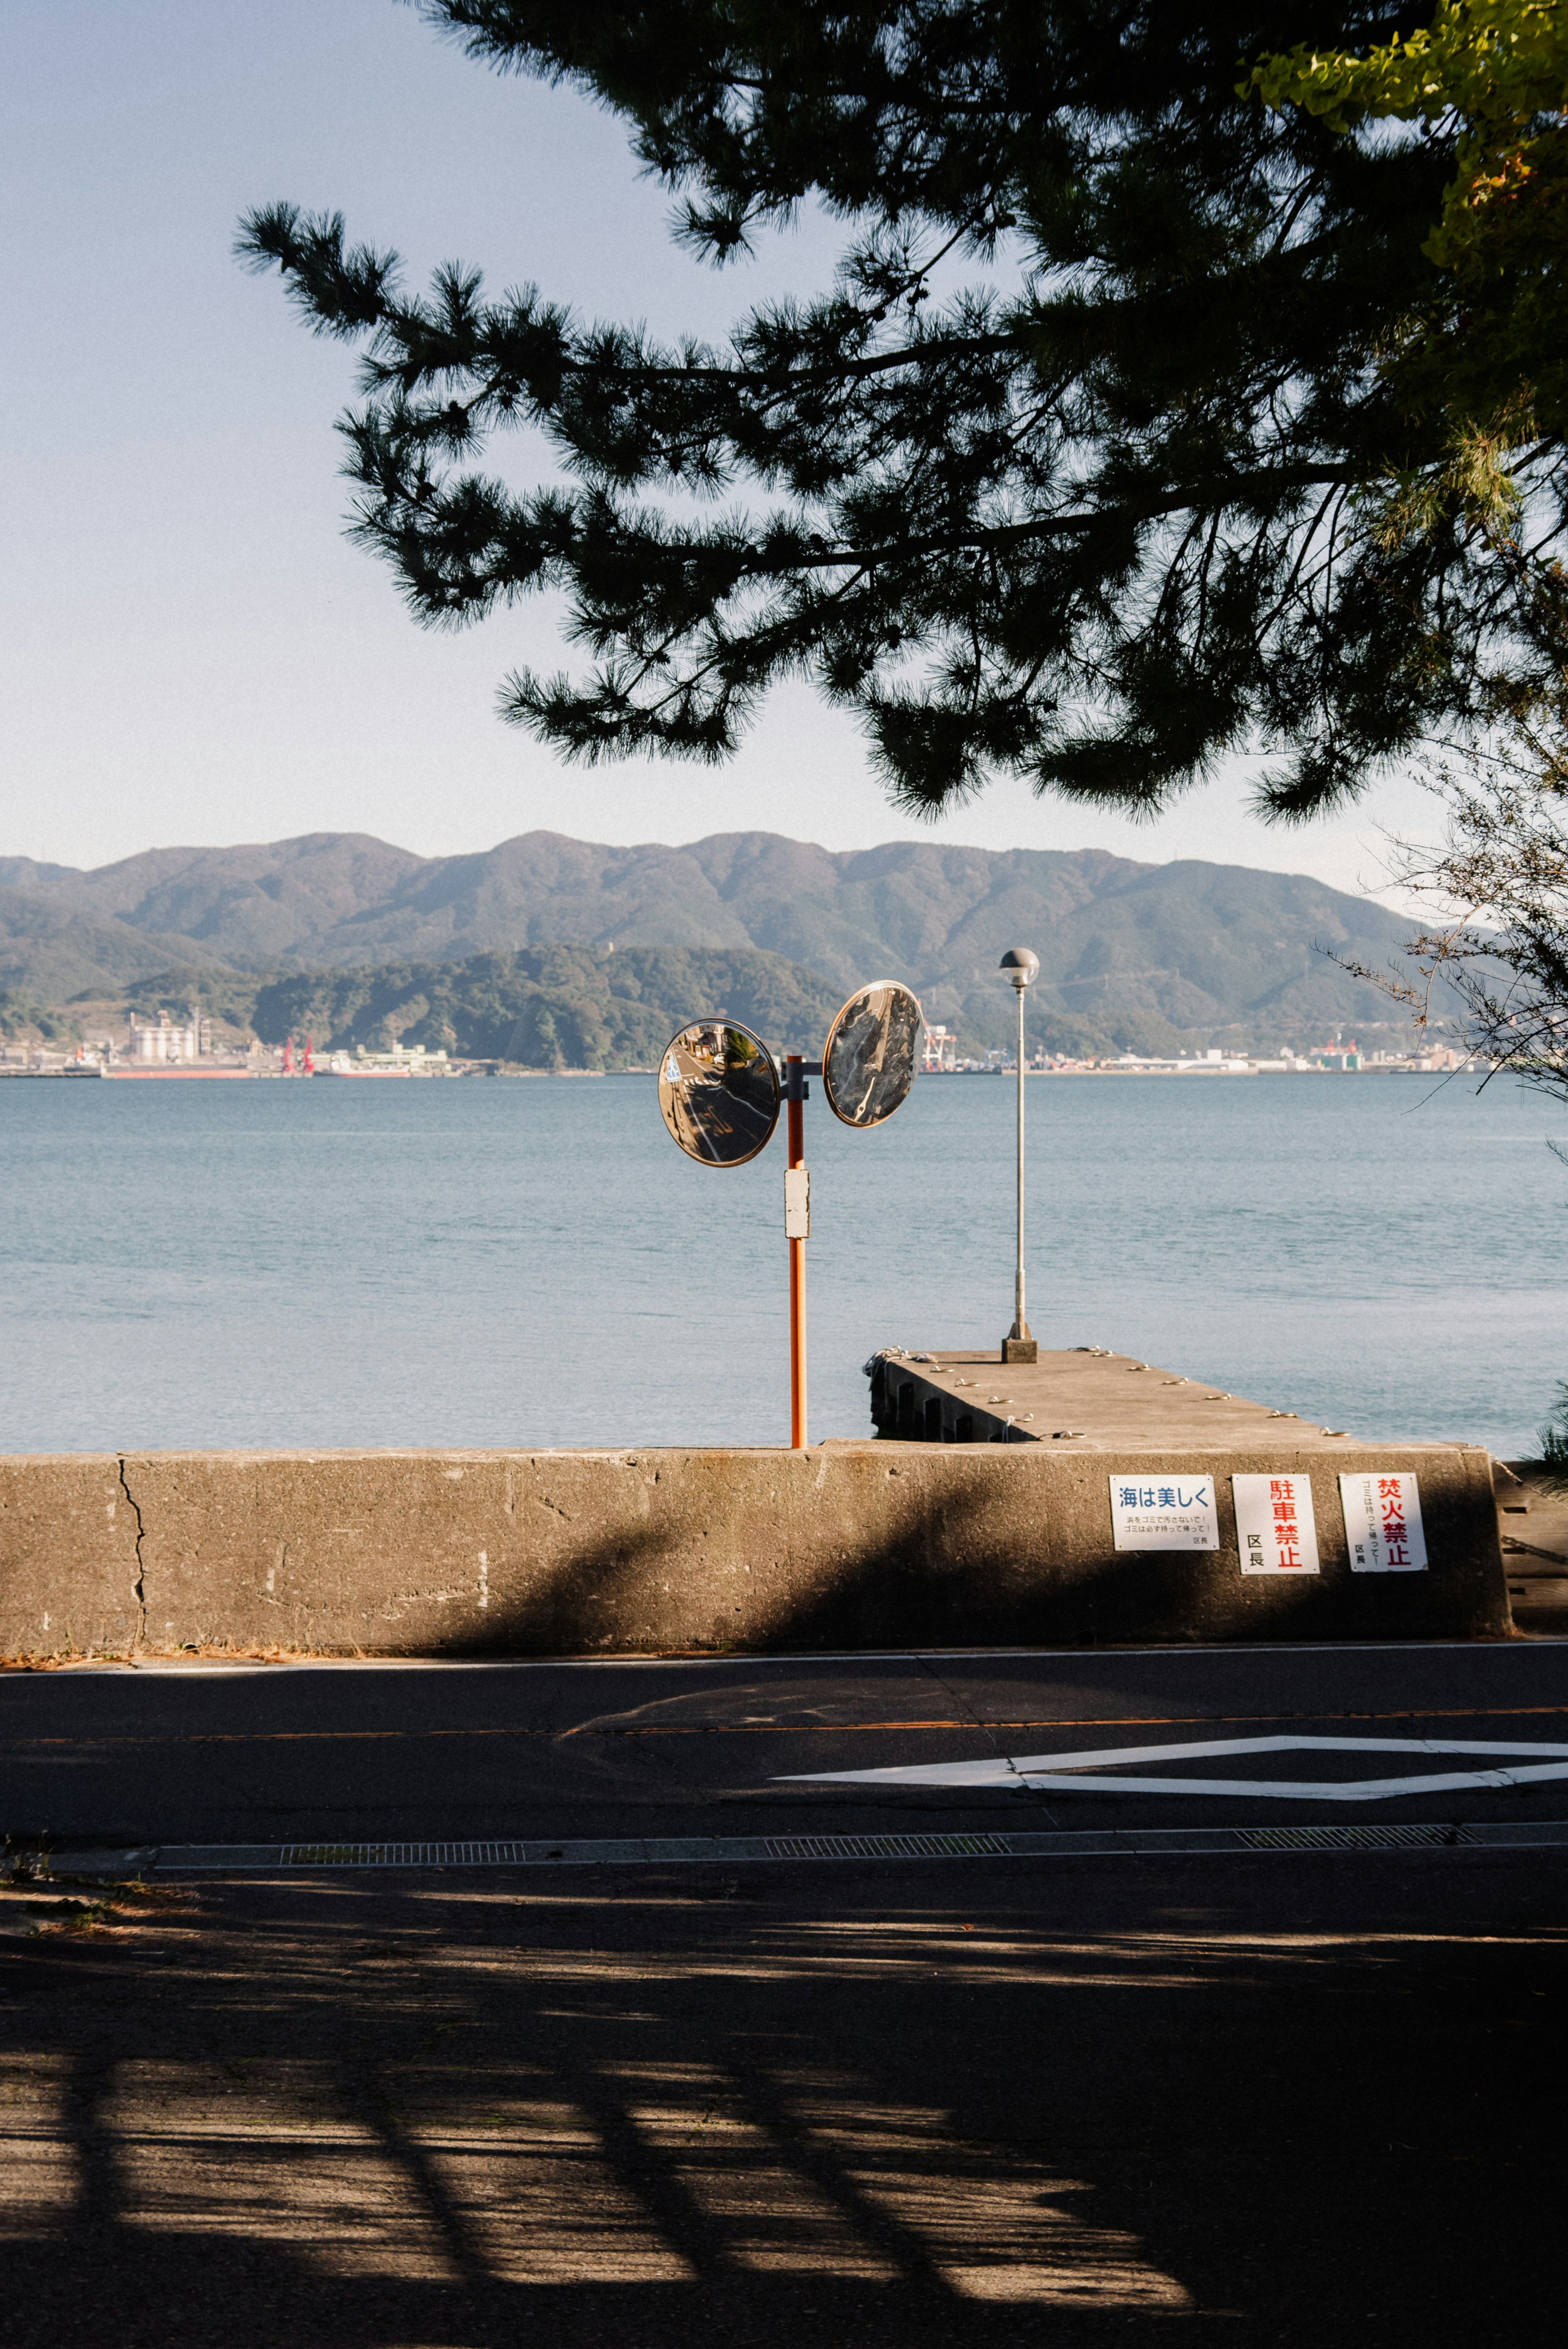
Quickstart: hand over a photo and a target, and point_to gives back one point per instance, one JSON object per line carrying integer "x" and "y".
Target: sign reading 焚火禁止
{"x": 1275, "y": 1530}
{"x": 1164, "y": 1512}
{"x": 1383, "y": 1523}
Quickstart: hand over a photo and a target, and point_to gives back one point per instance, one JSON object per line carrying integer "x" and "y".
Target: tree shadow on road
{"x": 986, "y": 2105}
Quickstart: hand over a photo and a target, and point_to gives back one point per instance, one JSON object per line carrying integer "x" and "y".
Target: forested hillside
{"x": 1147, "y": 958}
{"x": 550, "y": 1007}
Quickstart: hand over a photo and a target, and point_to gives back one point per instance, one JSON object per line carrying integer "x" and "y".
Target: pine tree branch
{"x": 1167, "y": 502}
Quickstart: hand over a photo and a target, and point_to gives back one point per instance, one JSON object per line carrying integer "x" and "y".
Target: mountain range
{"x": 1134, "y": 955}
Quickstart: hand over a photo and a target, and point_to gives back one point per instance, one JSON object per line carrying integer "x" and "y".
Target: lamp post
{"x": 1018, "y": 1346}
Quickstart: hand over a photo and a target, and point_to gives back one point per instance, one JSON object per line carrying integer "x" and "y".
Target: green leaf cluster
{"x": 1485, "y": 351}
{"x": 1059, "y": 475}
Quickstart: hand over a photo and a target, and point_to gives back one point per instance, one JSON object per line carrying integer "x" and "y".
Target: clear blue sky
{"x": 193, "y": 654}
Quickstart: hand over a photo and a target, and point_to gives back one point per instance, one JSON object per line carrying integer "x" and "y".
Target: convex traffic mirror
{"x": 719, "y": 1093}
{"x": 869, "y": 1059}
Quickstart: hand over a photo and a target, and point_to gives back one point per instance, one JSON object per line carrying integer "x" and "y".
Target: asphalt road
{"x": 248, "y": 1755}
{"x": 1290, "y": 2095}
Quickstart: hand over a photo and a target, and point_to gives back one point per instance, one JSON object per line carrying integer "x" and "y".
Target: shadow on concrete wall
{"x": 940, "y": 1583}
{"x": 873, "y": 1546}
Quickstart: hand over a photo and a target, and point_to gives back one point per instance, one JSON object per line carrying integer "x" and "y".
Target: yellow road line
{"x": 785, "y": 1728}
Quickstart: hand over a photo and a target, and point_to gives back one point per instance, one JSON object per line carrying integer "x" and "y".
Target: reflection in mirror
{"x": 868, "y": 1062}
{"x": 719, "y": 1093}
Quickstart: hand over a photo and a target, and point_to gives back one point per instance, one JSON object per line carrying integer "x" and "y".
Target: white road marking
{"x": 1088, "y": 1771}
{"x": 1327, "y": 1790}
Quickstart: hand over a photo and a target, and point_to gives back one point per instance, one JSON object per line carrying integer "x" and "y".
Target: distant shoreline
{"x": 272, "y": 1076}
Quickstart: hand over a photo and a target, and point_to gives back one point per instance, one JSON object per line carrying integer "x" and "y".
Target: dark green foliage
{"x": 228, "y": 996}
{"x": 1090, "y": 515}
{"x": 1555, "y": 1442}
{"x": 22, "y": 1019}
{"x": 550, "y": 1007}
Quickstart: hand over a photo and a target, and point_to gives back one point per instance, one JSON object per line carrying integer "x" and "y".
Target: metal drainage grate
{"x": 1381, "y": 1838}
{"x": 401, "y": 1854}
{"x": 887, "y": 1846}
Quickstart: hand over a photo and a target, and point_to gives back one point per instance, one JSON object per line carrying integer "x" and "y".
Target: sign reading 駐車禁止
{"x": 1274, "y": 1526}
{"x": 1383, "y": 1523}
{"x": 1164, "y": 1512}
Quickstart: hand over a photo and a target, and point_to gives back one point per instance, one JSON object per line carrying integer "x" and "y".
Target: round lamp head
{"x": 1021, "y": 966}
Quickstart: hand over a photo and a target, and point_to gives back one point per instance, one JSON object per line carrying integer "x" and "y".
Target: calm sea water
{"x": 533, "y": 1262}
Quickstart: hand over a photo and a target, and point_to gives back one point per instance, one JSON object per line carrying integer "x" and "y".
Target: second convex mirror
{"x": 869, "y": 1059}
{"x": 719, "y": 1093}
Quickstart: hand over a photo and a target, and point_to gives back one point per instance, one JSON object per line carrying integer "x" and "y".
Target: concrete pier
{"x": 1086, "y": 1397}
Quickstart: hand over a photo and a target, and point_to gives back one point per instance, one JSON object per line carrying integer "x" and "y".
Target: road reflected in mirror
{"x": 719, "y": 1093}
{"x": 869, "y": 1061}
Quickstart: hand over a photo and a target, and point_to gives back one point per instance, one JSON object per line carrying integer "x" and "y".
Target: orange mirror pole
{"x": 797, "y": 1222}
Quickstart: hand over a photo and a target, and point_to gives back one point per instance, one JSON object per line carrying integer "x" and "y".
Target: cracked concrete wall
{"x": 855, "y": 1545}
{"x": 70, "y": 1571}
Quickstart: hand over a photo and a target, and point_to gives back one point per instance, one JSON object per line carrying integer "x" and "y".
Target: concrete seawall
{"x": 550, "y": 1553}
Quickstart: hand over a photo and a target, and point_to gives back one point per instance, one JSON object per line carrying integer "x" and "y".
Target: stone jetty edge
{"x": 843, "y": 1546}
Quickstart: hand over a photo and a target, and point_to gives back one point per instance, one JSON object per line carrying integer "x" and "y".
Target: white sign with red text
{"x": 1383, "y": 1523}
{"x": 1275, "y": 1530}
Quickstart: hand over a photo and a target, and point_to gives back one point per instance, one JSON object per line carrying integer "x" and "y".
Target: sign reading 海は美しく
{"x": 1164, "y": 1513}
{"x": 1383, "y": 1522}
{"x": 1275, "y": 1530}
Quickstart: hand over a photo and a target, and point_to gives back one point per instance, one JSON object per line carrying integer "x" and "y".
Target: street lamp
{"x": 1018, "y": 1346}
